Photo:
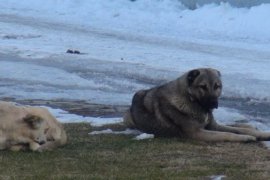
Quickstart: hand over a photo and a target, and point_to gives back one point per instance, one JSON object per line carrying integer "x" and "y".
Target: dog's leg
{"x": 128, "y": 121}
{"x": 238, "y": 129}
{"x": 216, "y": 136}
{"x": 17, "y": 147}
{"x": 34, "y": 146}
{"x": 50, "y": 145}
{"x": 242, "y": 125}
{"x": 244, "y": 130}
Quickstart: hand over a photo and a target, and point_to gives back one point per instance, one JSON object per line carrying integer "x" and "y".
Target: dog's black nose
{"x": 210, "y": 103}
{"x": 41, "y": 142}
{"x": 214, "y": 104}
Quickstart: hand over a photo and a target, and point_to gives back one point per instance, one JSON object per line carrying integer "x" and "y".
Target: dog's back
{"x": 147, "y": 112}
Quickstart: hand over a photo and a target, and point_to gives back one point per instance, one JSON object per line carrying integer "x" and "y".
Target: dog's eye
{"x": 217, "y": 86}
{"x": 46, "y": 130}
{"x": 203, "y": 87}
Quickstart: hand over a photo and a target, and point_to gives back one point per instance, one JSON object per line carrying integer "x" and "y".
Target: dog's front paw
{"x": 248, "y": 138}
{"x": 40, "y": 149}
{"x": 264, "y": 136}
{"x": 34, "y": 146}
{"x": 45, "y": 147}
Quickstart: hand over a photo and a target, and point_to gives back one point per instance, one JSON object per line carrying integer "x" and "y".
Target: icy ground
{"x": 126, "y": 46}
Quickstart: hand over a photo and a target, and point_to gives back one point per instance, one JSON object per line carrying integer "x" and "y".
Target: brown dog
{"x": 25, "y": 127}
{"x": 183, "y": 108}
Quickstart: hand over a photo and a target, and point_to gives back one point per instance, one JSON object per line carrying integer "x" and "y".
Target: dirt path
{"x": 79, "y": 107}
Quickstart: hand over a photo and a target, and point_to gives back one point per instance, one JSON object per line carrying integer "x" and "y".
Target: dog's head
{"x": 37, "y": 128}
{"x": 204, "y": 86}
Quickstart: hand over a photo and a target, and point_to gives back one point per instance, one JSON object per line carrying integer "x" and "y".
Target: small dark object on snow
{"x": 73, "y": 51}
{"x": 69, "y": 51}
{"x": 76, "y": 52}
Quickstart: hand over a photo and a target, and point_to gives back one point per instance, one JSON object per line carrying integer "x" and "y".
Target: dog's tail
{"x": 128, "y": 121}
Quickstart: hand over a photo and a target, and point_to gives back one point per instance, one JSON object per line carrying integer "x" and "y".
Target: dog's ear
{"x": 219, "y": 74}
{"x": 192, "y": 76}
{"x": 33, "y": 121}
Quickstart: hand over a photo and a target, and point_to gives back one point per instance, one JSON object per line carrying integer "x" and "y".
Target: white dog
{"x": 27, "y": 127}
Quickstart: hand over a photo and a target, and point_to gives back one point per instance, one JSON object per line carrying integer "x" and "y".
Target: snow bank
{"x": 160, "y": 18}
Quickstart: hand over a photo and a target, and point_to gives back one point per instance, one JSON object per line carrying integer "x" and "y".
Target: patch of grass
{"x": 120, "y": 157}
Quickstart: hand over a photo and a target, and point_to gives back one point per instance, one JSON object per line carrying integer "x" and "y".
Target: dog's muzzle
{"x": 210, "y": 103}
{"x": 41, "y": 142}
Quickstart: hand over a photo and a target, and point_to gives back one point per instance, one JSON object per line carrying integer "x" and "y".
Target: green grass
{"x": 120, "y": 157}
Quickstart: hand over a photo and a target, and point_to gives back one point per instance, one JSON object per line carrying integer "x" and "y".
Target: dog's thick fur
{"x": 183, "y": 108}
{"x": 26, "y": 127}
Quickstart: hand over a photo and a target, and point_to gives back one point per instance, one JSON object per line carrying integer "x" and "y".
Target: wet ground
{"x": 255, "y": 110}
{"x": 78, "y": 107}
{"x": 258, "y": 111}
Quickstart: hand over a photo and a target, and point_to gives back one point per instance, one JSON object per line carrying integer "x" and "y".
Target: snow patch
{"x": 217, "y": 177}
{"x": 109, "y": 131}
{"x": 139, "y": 134}
{"x": 228, "y": 115}
{"x": 144, "y": 136}
{"x": 66, "y": 117}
